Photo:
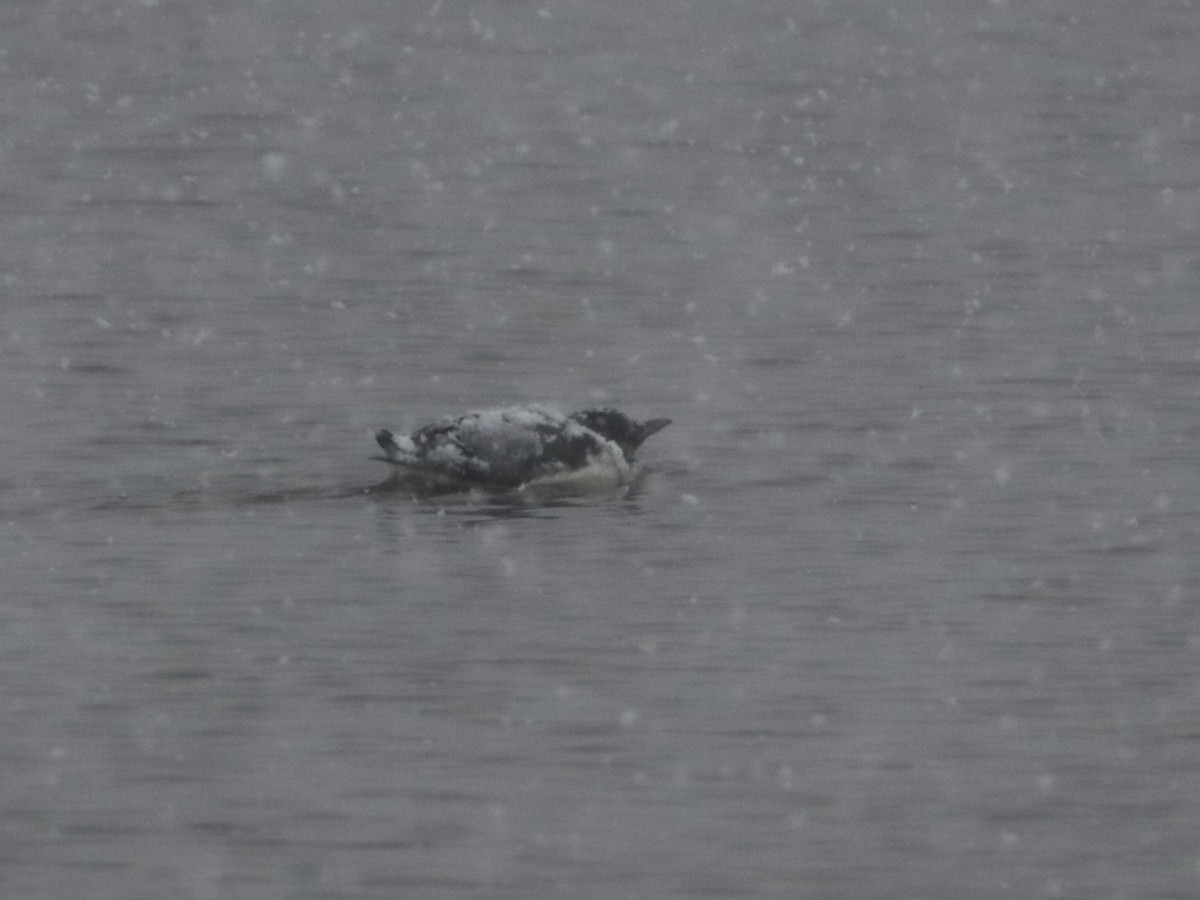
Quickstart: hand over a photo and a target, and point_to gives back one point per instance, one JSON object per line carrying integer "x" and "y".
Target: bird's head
{"x": 612, "y": 425}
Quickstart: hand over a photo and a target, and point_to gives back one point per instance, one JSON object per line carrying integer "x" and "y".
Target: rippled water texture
{"x": 904, "y": 603}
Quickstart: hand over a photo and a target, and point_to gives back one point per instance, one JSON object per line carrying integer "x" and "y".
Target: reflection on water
{"x": 397, "y": 489}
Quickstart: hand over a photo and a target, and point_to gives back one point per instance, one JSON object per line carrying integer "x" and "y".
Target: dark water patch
{"x": 1131, "y": 548}
{"x": 98, "y": 368}
{"x": 925, "y": 284}
{"x": 835, "y": 459}
{"x": 168, "y": 150}
{"x": 916, "y": 464}
{"x": 231, "y": 492}
{"x": 176, "y": 441}
{"x": 1185, "y": 369}
{"x": 631, "y": 212}
{"x": 101, "y": 830}
{"x": 792, "y": 480}
{"x": 453, "y": 795}
{"x": 899, "y": 234}
{"x": 300, "y": 494}
{"x": 177, "y": 778}
{"x": 213, "y": 828}
{"x": 434, "y": 885}
{"x": 177, "y": 675}
{"x": 176, "y": 203}
{"x": 539, "y": 165}
{"x": 473, "y": 507}
{"x": 97, "y": 866}
{"x": 72, "y": 297}
{"x": 247, "y": 492}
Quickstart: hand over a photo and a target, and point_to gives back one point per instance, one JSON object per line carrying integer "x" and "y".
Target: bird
{"x": 514, "y": 446}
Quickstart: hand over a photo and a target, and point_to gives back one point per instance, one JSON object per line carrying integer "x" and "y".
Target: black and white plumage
{"x": 517, "y": 445}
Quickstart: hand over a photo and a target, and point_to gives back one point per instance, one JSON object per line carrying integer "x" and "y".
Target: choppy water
{"x": 905, "y": 604}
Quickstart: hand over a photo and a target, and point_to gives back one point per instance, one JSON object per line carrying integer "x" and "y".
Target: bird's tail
{"x": 399, "y": 449}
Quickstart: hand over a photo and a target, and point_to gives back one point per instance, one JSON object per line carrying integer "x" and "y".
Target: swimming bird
{"x": 516, "y": 445}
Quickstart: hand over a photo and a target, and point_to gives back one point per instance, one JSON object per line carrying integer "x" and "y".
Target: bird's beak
{"x": 651, "y": 427}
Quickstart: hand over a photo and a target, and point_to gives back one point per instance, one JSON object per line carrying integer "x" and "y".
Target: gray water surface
{"x": 904, "y": 604}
